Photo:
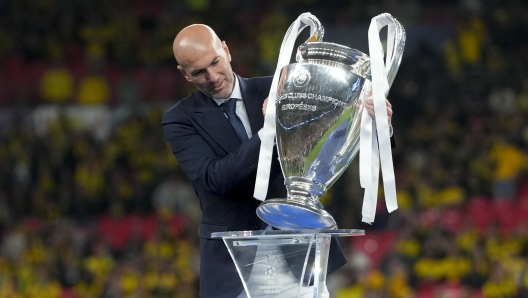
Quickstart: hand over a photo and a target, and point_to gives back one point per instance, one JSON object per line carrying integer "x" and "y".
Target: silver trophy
{"x": 318, "y": 116}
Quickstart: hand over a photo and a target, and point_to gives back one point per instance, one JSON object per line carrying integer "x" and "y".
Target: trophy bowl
{"x": 318, "y": 121}
{"x": 317, "y": 125}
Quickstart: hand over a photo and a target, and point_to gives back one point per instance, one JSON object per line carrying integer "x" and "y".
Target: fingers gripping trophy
{"x": 316, "y": 118}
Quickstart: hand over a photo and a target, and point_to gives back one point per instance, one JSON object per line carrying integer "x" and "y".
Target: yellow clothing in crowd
{"x": 503, "y": 289}
{"x": 446, "y": 268}
{"x": 93, "y": 90}
{"x": 509, "y": 161}
{"x": 56, "y": 85}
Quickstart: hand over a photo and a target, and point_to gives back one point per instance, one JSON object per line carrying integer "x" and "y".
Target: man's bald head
{"x": 194, "y": 40}
{"x": 204, "y": 60}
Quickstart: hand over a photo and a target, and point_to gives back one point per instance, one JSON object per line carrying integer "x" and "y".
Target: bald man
{"x": 204, "y": 60}
{"x": 220, "y": 163}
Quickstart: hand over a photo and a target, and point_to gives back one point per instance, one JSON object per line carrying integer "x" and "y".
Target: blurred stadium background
{"x": 93, "y": 203}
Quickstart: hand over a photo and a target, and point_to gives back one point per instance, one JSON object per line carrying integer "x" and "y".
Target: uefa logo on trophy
{"x": 301, "y": 78}
{"x": 318, "y": 115}
{"x": 270, "y": 272}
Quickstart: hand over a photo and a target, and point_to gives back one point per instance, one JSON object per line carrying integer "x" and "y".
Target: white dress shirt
{"x": 240, "y": 107}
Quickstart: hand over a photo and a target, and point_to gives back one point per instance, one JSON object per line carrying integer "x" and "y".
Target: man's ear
{"x": 226, "y": 49}
{"x": 184, "y": 73}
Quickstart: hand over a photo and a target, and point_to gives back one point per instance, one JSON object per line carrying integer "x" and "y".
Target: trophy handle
{"x": 375, "y": 148}
{"x": 395, "y": 47}
{"x": 269, "y": 128}
{"x": 307, "y": 19}
{"x": 316, "y": 30}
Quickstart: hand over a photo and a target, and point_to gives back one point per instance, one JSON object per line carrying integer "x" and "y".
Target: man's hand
{"x": 369, "y": 105}
{"x": 264, "y": 105}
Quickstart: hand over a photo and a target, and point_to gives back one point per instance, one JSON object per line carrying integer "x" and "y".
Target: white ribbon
{"x": 268, "y": 132}
{"x": 375, "y": 134}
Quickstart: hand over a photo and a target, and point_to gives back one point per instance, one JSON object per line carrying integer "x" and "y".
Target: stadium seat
{"x": 480, "y": 212}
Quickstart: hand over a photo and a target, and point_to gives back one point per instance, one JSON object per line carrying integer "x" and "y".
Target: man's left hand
{"x": 264, "y": 106}
{"x": 369, "y": 105}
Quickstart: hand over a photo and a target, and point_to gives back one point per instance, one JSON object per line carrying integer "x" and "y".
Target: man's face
{"x": 210, "y": 71}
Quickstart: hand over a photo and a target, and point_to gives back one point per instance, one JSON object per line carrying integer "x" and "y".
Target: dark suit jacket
{"x": 222, "y": 172}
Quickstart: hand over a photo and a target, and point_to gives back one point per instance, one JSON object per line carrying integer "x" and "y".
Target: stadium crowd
{"x": 93, "y": 203}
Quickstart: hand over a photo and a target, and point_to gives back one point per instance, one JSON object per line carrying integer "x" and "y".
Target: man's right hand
{"x": 264, "y": 105}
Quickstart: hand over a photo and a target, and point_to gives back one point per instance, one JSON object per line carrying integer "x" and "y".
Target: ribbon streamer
{"x": 375, "y": 134}
{"x": 268, "y": 132}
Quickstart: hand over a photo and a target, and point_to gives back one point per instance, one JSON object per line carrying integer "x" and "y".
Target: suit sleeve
{"x": 199, "y": 160}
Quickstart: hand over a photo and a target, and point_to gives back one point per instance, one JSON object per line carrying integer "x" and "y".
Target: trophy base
{"x": 287, "y": 214}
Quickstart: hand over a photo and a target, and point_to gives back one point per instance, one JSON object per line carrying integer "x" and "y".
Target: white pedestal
{"x": 282, "y": 263}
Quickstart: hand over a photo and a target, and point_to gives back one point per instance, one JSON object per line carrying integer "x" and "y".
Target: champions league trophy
{"x": 319, "y": 117}
{"x": 315, "y": 111}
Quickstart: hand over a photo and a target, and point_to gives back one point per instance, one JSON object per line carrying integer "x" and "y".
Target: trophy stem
{"x": 300, "y": 188}
{"x": 300, "y": 210}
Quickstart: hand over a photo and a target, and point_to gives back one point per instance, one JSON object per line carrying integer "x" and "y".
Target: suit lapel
{"x": 208, "y": 115}
{"x": 253, "y": 100}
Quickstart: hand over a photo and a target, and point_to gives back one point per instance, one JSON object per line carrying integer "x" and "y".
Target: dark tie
{"x": 229, "y": 108}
